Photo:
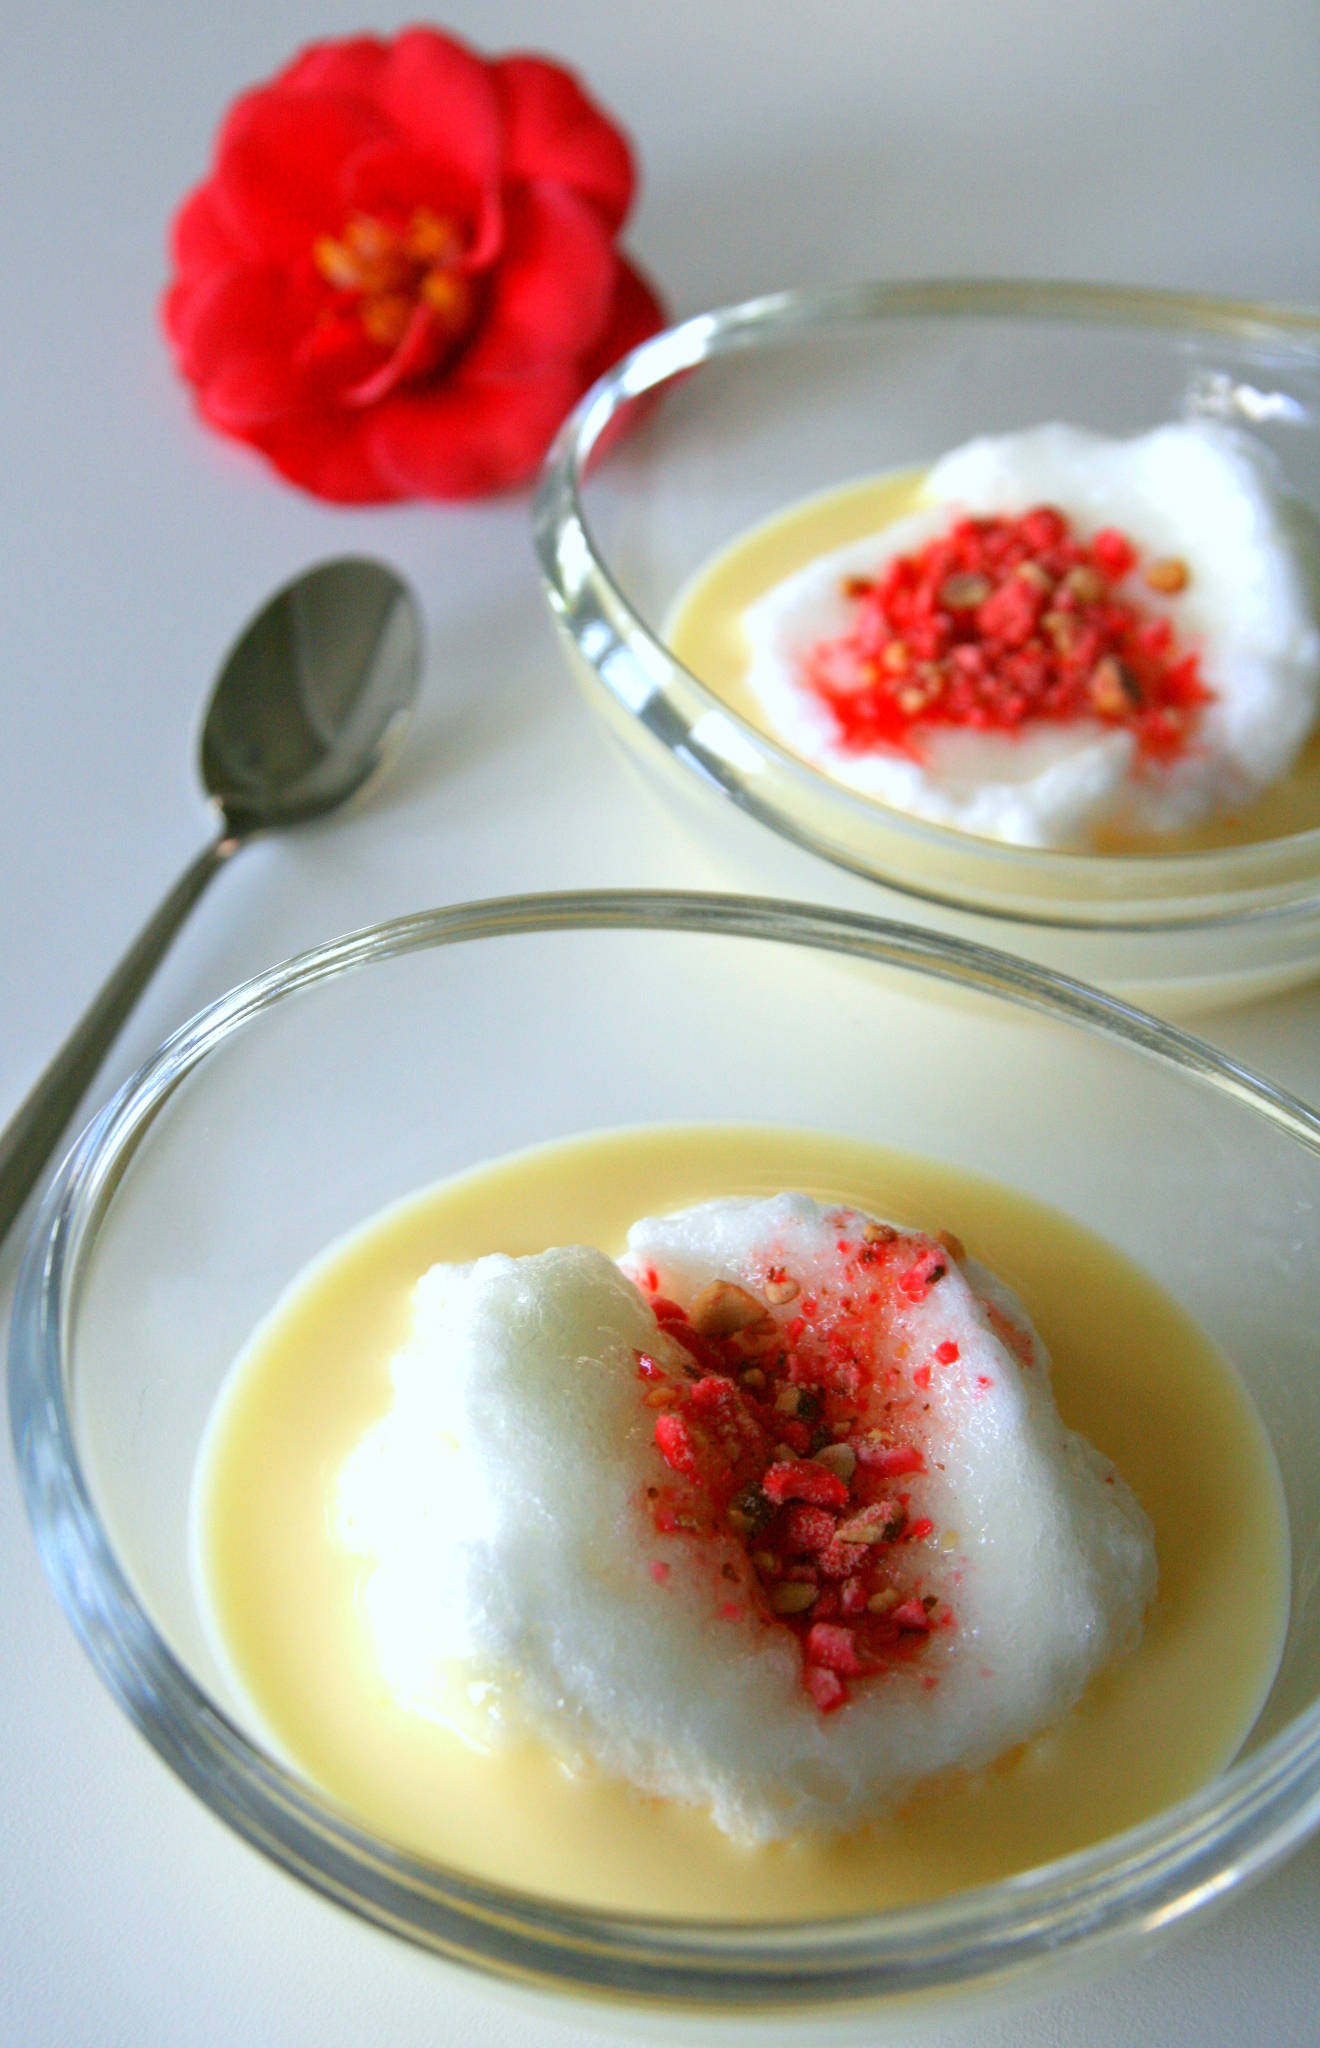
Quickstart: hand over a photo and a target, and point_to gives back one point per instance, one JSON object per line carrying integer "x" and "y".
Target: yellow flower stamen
{"x": 448, "y": 295}
{"x": 391, "y": 271}
{"x": 385, "y": 316}
{"x": 431, "y": 238}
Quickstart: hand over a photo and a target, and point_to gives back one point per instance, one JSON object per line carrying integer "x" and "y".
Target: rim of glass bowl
{"x": 1133, "y": 1884}
{"x": 1269, "y": 882}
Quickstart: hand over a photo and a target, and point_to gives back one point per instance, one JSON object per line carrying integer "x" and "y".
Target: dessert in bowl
{"x": 680, "y": 1050}
{"x": 1111, "y": 764}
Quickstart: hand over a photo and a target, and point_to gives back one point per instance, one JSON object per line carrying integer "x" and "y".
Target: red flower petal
{"x": 279, "y": 170}
{"x": 471, "y": 436}
{"x": 226, "y": 313}
{"x": 201, "y": 238}
{"x": 554, "y": 288}
{"x": 238, "y": 346}
{"x": 391, "y": 179}
{"x": 553, "y": 131}
{"x": 335, "y": 357}
{"x": 353, "y": 66}
{"x": 635, "y": 314}
{"x": 330, "y": 454}
{"x": 442, "y": 98}
{"x": 421, "y": 349}
{"x": 254, "y": 346}
{"x": 248, "y": 392}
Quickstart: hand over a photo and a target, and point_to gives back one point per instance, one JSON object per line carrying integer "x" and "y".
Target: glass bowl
{"x": 779, "y": 399}
{"x": 308, "y": 1099}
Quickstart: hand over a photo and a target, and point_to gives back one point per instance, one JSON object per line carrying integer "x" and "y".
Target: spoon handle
{"x": 33, "y": 1131}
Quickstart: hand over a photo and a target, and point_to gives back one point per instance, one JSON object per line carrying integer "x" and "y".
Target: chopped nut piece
{"x": 792, "y": 1596}
{"x": 896, "y": 657}
{"x": 870, "y": 1526}
{"x": 879, "y": 1233}
{"x": 755, "y": 1379}
{"x": 838, "y": 1458}
{"x": 1169, "y": 575}
{"x": 1113, "y": 688}
{"x": 952, "y": 1243}
{"x": 787, "y": 1401}
{"x": 660, "y": 1397}
{"x": 750, "y": 1345}
{"x": 1086, "y": 584}
{"x": 1031, "y": 572}
{"x": 780, "y": 1291}
{"x": 962, "y": 593}
{"x": 808, "y": 1407}
{"x": 721, "y": 1308}
{"x": 749, "y": 1505}
{"x": 885, "y": 1601}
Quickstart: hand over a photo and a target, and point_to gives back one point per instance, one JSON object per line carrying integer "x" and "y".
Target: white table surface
{"x": 1146, "y": 141}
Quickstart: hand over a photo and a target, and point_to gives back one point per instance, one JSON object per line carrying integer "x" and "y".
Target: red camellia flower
{"x": 402, "y": 271}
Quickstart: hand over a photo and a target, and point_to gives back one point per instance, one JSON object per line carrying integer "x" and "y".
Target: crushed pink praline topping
{"x": 797, "y": 1425}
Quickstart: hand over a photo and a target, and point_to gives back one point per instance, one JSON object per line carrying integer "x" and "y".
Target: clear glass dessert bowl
{"x": 776, "y": 401}
{"x": 307, "y": 1100}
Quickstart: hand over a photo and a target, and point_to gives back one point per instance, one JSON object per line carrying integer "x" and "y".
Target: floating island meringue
{"x": 774, "y": 1518}
{"x": 1072, "y": 639}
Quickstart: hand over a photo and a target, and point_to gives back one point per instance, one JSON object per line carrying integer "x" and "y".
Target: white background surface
{"x": 1147, "y": 141}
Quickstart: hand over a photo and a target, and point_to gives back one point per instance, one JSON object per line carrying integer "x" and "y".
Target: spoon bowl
{"x": 343, "y": 644}
{"x": 310, "y": 700}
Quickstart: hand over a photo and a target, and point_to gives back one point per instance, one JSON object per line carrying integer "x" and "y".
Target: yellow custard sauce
{"x": 704, "y": 631}
{"x": 1132, "y": 1373}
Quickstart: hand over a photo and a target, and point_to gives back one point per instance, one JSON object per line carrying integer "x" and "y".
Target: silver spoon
{"x": 301, "y": 714}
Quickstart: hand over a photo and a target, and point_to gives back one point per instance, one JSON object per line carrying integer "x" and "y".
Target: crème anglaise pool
{"x": 738, "y": 1562}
